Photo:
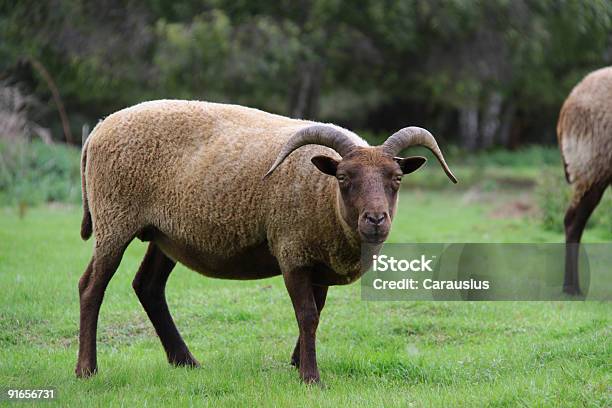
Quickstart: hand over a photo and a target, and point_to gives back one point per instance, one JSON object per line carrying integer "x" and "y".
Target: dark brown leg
{"x": 320, "y": 294}
{"x": 300, "y": 290}
{"x": 92, "y": 285}
{"x": 576, "y": 218}
{"x": 150, "y": 285}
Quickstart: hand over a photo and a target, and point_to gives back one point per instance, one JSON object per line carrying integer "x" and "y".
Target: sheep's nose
{"x": 375, "y": 218}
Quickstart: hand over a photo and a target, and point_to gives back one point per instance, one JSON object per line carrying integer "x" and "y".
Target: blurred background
{"x": 486, "y": 77}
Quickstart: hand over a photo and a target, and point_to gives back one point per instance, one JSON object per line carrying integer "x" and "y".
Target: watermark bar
{"x": 468, "y": 271}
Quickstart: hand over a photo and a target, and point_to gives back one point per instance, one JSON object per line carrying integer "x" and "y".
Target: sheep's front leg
{"x": 320, "y": 294}
{"x": 299, "y": 286}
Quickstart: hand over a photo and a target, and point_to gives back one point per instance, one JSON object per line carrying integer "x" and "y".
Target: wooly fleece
{"x": 188, "y": 176}
{"x": 584, "y": 131}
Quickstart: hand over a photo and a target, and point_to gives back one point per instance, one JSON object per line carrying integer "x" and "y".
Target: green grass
{"x": 501, "y": 354}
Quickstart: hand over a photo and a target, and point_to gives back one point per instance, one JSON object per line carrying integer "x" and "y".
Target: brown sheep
{"x": 584, "y": 131}
{"x": 187, "y": 176}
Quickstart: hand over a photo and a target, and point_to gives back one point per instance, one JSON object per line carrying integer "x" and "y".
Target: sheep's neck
{"x": 351, "y": 235}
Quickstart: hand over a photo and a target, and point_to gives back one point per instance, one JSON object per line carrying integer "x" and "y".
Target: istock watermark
{"x": 467, "y": 271}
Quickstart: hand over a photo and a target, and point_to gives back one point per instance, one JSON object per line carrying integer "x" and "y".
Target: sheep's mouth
{"x": 373, "y": 237}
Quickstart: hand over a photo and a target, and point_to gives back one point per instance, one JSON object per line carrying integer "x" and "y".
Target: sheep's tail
{"x": 562, "y": 126}
{"x": 86, "y": 224}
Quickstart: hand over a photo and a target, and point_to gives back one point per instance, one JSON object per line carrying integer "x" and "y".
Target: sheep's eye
{"x": 341, "y": 178}
{"x": 397, "y": 179}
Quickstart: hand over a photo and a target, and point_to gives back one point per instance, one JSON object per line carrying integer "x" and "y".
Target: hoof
{"x": 311, "y": 379}
{"x": 85, "y": 372}
{"x": 572, "y": 290}
{"x": 295, "y": 361}
{"x": 185, "y": 361}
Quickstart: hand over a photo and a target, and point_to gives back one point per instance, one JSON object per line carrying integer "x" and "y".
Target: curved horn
{"x": 416, "y": 136}
{"x": 318, "y": 134}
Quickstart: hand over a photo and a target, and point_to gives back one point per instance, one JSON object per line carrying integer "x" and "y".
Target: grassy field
{"x": 370, "y": 353}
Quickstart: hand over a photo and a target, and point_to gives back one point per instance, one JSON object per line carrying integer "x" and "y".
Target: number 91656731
{"x": 28, "y": 394}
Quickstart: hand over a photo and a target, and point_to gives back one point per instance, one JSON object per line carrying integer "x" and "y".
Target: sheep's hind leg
{"x": 576, "y": 218}
{"x": 150, "y": 284}
{"x": 320, "y": 294}
{"x": 92, "y": 285}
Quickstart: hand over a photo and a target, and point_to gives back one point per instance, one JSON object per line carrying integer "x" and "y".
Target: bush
{"x": 554, "y": 195}
{"x": 603, "y": 213}
{"x": 526, "y": 156}
{"x": 34, "y": 173}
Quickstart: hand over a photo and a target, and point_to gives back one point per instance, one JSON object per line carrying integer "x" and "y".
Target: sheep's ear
{"x": 410, "y": 164}
{"x": 325, "y": 164}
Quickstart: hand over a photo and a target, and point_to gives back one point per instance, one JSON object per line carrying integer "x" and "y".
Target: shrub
{"x": 603, "y": 213}
{"x": 34, "y": 173}
{"x": 554, "y": 195}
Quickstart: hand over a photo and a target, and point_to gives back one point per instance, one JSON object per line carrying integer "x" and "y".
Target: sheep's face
{"x": 368, "y": 181}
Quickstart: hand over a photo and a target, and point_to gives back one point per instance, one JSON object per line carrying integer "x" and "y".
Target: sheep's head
{"x": 368, "y": 178}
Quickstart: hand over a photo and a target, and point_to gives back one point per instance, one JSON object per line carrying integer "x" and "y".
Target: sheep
{"x": 584, "y": 132}
{"x": 186, "y": 176}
